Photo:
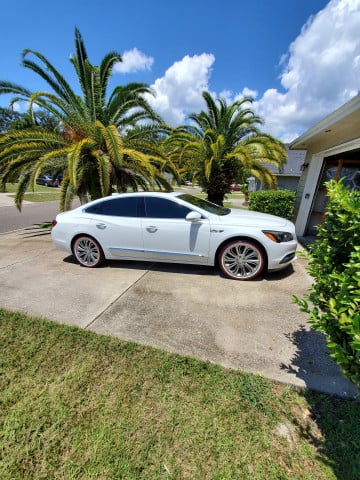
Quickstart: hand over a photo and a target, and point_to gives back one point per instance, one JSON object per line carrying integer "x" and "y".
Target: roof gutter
{"x": 346, "y": 109}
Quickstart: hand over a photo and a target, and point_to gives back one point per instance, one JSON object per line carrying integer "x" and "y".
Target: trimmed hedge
{"x": 334, "y": 263}
{"x": 275, "y": 202}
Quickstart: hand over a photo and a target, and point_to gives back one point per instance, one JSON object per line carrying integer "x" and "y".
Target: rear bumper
{"x": 61, "y": 243}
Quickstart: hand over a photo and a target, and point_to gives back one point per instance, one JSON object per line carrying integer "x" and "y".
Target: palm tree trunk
{"x": 216, "y": 197}
{"x": 84, "y": 198}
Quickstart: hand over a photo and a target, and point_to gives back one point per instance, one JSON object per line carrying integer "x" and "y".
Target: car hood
{"x": 251, "y": 218}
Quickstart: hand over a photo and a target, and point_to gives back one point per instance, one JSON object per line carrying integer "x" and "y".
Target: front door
{"x": 167, "y": 236}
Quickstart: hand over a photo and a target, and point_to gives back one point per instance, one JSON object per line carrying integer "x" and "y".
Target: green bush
{"x": 334, "y": 263}
{"x": 276, "y": 202}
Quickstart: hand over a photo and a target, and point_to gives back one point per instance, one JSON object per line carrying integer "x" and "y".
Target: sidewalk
{"x": 7, "y": 200}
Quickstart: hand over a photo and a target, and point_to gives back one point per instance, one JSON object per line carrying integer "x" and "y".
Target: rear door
{"x": 116, "y": 224}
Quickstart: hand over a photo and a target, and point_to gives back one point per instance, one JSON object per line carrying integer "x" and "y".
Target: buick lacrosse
{"x": 175, "y": 227}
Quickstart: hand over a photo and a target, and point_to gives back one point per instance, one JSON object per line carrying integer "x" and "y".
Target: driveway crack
{"x": 17, "y": 262}
{"x": 116, "y": 299}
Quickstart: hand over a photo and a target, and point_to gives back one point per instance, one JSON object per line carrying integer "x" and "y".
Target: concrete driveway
{"x": 251, "y": 326}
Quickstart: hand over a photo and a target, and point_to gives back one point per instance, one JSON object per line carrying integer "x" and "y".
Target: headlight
{"x": 278, "y": 237}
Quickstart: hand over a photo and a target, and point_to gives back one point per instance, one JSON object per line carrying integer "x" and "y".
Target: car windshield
{"x": 204, "y": 204}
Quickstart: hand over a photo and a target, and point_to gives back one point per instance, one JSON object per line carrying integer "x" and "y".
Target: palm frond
{"x": 66, "y": 194}
{"x": 56, "y": 81}
{"x": 14, "y": 89}
{"x": 106, "y": 68}
{"x": 264, "y": 175}
{"x": 46, "y": 164}
{"x": 113, "y": 143}
{"x": 21, "y": 189}
{"x": 104, "y": 169}
{"x": 74, "y": 156}
{"x": 79, "y": 60}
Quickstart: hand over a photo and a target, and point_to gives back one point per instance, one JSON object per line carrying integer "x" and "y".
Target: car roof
{"x": 132, "y": 194}
{"x": 141, "y": 194}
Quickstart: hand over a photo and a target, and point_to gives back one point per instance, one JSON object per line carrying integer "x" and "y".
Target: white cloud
{"x": 133, "y": 61}
{"x": 16, "y": 107}
{"x": 247, "y": 92}
{"x": 321, "y": 71}
{"x": 179, "y": 91}
{"x": 229, "y": 97}
{"x": 22, "y": 107}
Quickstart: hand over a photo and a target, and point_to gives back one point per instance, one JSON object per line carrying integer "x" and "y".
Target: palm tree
{"x": 97, "y": 142}
{"x": 223, "y": 144}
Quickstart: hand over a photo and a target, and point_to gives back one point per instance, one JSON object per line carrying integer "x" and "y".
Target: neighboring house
{"x": 289, "y": 178}
{"x": 333, "y": 152}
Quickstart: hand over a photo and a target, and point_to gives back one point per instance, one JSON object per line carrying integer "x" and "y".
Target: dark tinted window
{"x": 116, "y": 207}
{"x": 163, "y": 208}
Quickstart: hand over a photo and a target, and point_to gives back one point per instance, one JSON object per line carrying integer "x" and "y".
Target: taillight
{"x": 53, "y": 223}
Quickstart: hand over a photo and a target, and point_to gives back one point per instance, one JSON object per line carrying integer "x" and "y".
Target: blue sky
{"x": 299, "y": 59}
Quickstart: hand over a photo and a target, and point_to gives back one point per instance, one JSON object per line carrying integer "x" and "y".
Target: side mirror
{"x": 193, "y": 217}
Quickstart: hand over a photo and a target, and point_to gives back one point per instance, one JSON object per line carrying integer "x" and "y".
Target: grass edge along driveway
{"x": 47, "y": 194}
{"x": 77, "y": 405}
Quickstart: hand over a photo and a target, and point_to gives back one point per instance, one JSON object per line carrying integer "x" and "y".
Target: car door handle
{"x": 151, "y": 229}
{"x": 101, "y": 226}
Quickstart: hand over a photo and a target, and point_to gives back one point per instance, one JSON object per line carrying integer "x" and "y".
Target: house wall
{"x": 283, "y": 183}
{"x": 306, "y": 192}
{"x": 288, "y": 183}
{"x": 308, "y": 183}
{"x": 336, "y": 134}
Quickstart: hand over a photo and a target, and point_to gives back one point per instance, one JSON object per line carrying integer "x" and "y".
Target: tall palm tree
{"x": 225, "y": 143}
{"x": 96, "y": 143}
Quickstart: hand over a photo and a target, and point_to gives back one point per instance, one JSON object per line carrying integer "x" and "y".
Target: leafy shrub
{"x": 276, "y": 202}
{"x": 334, "y": 263}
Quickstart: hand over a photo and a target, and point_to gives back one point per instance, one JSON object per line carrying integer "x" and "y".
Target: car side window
{"x": 116, "y": 207}
{"x": 164, "y": 208}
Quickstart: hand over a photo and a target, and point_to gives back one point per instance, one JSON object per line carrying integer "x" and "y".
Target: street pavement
{"x": 32, "y": 213}
{"x": 191, "y": 310}
{"x": 6, "y": 200}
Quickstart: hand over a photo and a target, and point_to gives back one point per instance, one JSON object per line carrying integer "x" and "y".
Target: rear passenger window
{"x": 116, "y": 207}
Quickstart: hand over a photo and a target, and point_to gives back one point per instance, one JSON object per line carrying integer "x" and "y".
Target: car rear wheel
{"x": 241, "y": 260}
{"x": 87, "y": 251}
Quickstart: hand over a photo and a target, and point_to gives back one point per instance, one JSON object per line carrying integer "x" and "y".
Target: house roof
{"x": 343, "y": 125}
{"x": 293, "y": 166}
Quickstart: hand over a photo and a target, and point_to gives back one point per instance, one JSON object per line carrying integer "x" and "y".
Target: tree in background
{"x": 7, "y": 118}
{"x": 12, "y": 120}
{"x": 100, "y": 141}
{"x": 224, "y": 144}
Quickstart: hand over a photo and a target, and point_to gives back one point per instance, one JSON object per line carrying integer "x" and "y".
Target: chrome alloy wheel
{"x": 87, "y": 251}
{"x": 241, "y": 260}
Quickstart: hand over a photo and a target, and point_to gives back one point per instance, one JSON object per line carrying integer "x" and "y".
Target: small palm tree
{"x": 101, "y": 141}
{"x": 223, "y": 144}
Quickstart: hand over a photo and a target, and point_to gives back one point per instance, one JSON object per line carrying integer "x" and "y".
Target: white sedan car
{"x": 175, "y": 227}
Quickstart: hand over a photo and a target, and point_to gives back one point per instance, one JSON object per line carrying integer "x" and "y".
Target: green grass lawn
{"x": 77, "y": 405}
{"x": 40, "y": 193}
{"x": 47, "y": 194}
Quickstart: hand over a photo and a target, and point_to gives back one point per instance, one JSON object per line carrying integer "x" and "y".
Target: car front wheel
{"x": 241, "y": 260}
{"x": 87, "y": 251}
